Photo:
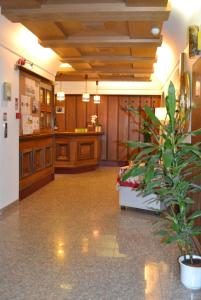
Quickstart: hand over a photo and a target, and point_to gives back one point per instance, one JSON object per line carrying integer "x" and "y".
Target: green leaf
{"x": 171, "y": 239}
{"x": 152, "y": 116}
{"x": 149, "y": 174}
{"x": 171, "y": 105}
{"x": 161, "y": 232}
{"x": 167, "y": 158}
{"x": 136, "y": 144}
{"x": 146, "y": 151}
{"x": 195, "y": 215}
{"x": 195, "y": 132}
{"x": 134, "y": 171}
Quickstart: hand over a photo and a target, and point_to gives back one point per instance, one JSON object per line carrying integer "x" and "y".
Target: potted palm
{"x": 170, "y": 168}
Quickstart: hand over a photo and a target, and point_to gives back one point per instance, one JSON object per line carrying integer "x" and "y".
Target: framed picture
{"x": 60, "y": 109}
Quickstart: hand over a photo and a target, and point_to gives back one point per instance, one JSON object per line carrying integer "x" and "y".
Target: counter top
{"x": 36, "y": 136}
{"x": 63, "y": 133}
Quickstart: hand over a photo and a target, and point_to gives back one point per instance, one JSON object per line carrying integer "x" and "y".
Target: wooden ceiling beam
{"x": 20, "y": 4}
{"x": 113, "y": 70}
{"x": 108, "y": 58}
{"x": 85, "y": 12}
{"x": 64, "y": 77}
{"x": 146, "y": 2}
{"x": 60, "y": 26}
{"x": 101, "y": 42}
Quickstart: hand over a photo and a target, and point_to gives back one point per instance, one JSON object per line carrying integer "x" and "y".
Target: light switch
{"x": 7, "y": 91}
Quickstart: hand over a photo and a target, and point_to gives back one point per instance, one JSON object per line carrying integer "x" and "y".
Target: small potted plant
{"x": 170, "y": 168}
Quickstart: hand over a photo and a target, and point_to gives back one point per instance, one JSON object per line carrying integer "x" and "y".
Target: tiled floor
{"x": 71, "y": 241}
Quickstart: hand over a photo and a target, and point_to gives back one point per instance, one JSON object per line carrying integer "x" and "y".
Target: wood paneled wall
{"x": 118, "y": 126}
{"x": 196, "y": 123}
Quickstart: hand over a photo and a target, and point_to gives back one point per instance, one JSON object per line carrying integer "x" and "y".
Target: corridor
{"x": 70, "y": 240}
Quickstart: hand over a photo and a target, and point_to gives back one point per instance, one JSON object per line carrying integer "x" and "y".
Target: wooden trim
{"x": 66, "y": 134}
{"x": 35, "y": 136}
{"x": 112, "y": 163}
{"x": 59, "y": 170}
{"x": 43, "y": 79}
{"x": 35, "y": 186}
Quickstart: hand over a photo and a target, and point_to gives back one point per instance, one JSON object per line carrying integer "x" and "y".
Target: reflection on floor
{"x": 71, "y": 241}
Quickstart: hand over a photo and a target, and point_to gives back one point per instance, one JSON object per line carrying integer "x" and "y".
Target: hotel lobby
{"x": 69, "y": 72}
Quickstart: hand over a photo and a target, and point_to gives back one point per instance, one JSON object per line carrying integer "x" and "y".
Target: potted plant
{"x": 170, "y": 167}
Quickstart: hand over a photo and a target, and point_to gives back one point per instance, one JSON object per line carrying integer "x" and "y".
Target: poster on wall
{"x": 27, "y": 124}
{"x": 32, "y": 90}
{"x": 36, "y": 100}
{"x": 36, "y": 123}
{"x": 25, "y": 105}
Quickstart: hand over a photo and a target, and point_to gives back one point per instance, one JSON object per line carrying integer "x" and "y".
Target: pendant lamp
{"x": 97, "y": 97}
{"x": 86, "y": 95}
{"x": 60, "y": 93}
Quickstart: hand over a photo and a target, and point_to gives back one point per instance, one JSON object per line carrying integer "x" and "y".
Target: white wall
{"x": 110, "y": 88}
{"x": 175, "y": 40}
{"x": 16, "y": 41}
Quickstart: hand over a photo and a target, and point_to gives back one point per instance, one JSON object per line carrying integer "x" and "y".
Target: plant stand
{"x": 129, "y": 197}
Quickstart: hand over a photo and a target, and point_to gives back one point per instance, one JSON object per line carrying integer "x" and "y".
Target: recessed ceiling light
{"x": 155, "y": 30}
{"x": 65, "y": 65}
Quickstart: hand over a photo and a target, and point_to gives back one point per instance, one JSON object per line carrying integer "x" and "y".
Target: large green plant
{"x": 170, "y": 168}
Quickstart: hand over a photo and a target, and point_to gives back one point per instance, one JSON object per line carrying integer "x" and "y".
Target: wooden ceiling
{"x": 107, "y": 40}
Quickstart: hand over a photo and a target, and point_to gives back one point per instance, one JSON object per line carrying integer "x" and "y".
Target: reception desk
{"x": 77, "y": 152}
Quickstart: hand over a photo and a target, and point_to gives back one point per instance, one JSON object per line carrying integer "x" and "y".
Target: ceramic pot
{"x": 190, "y": 275}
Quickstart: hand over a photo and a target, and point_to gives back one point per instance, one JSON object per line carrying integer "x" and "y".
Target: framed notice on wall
{"x": 36, "y": 103}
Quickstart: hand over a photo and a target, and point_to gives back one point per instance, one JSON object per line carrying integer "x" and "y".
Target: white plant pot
{"x": 190, "y": 276}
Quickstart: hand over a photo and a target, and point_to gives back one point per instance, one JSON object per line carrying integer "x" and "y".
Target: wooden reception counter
{"x": 77, "y": 152}
{"x": 42, "y": 155}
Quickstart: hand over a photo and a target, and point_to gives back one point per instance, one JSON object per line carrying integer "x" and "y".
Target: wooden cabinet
{"x": 36, "y": 162}
{"x": 46, "y": 107}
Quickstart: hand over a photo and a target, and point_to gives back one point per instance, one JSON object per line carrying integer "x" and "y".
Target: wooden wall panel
{"x": 62, "y": 151}
{"x": 155, "y": 101}
{"x": 118, "y": 126}
{"x": 92, "y": 109}
{"x": 60, "y": 118}
{"x": 85, "y": 150}
{"x": 123, "y": 128}
{"x": 70, "y": 113}
{"x": 102, "y": 118}
{"x": 81, "y": 113}
{"x": 112, "y": 145}
{"x": 196, "y": 123}
{"x": 145, "y": 100}
{"x": 134, "y": 123}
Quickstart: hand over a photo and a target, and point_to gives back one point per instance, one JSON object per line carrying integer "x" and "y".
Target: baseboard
{"x": 75, "y": 170}
{"x": 36, "y": 186}
{"x": 9, "y": 207}
{"x": 112, "y": 163}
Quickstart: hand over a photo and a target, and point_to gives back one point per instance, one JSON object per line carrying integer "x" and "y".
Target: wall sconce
{"x": 97, "y": 97}
{"x": 155, "y": 31}
{"x": 86, "y": 95}
{"x": 60, "y": 93}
